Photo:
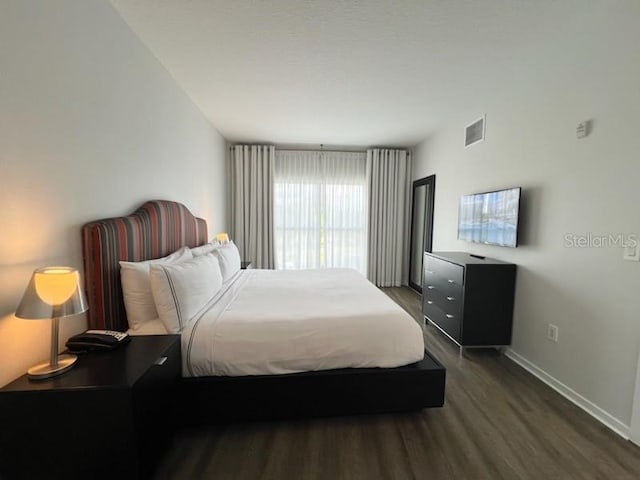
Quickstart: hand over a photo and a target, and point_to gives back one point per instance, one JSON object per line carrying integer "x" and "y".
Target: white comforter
{"x": 267, "y": 322}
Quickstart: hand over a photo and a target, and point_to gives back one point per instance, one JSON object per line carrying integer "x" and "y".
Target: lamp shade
{"x": 53, "y": 292}
{"x": 222, "y": 237}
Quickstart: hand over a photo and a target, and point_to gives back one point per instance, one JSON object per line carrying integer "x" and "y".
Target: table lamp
{"x": 222, "y": 238}
{"x": 53, "y": 292}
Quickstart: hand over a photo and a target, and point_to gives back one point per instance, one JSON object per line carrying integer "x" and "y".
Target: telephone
{"x": 97, "y": 340}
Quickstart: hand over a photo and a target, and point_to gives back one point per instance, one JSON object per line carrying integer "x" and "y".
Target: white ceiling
{"x": 339, "y": 72}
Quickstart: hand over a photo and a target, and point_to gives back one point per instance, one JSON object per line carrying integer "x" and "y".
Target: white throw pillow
{"x": 136, "y": 287}
{"x": 229, "y": 258}
{"x": 204, "y": 249}
{"x": 182, "y": 291}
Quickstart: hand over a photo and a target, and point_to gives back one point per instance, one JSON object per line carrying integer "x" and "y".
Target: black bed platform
{"x": 345, "y": 391}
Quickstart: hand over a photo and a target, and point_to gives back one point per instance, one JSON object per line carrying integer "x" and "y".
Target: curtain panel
{"x": 251, "y": 195}
{"x": 389, "y": 182}
{"x": 320, "y": 209}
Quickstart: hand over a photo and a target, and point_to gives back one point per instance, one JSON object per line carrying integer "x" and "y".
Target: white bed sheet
{"x": 266, "y": 322}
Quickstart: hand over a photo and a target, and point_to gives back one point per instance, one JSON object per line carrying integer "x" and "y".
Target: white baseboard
{"x": 591, "y": 408}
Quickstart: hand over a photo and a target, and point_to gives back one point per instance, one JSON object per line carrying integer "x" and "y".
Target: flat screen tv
{"x": 490, "y": 218}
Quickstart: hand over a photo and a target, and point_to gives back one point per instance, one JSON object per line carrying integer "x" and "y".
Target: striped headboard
{"x": 156, "y": 229}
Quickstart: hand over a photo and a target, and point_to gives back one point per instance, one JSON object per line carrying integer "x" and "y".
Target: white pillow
{"x": 206, "y": 248}
{"x": 152, "y": 327}
{"x": 182, "y": 291}
{"x": 229, "y": 258}
{"x": 136, "y": 288}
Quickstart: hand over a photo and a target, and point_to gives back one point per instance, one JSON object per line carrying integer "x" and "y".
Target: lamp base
{"x": 46, "y": 370}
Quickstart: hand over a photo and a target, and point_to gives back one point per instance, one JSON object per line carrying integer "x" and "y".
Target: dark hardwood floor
{"x": 498, "y": 422}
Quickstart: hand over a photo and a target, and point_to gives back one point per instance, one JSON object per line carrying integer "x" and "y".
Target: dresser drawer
{"x": 449, "y": 322}
{"x": 447, "y": 271}
{"x": 446, "y": 302}
{"x": 154, "y": 400}
{"x": 444, "y": 285}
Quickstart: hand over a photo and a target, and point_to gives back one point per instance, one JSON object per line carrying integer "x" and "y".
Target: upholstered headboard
{"x": 156, "y": 229}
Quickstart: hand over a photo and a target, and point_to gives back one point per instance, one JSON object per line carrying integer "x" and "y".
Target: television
{"x": 490, "y": 218}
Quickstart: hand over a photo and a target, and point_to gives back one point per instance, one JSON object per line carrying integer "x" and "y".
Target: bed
{"x": 234, "y": 384}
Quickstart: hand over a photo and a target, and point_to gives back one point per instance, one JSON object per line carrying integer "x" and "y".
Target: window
{"x": 320, "y": 204}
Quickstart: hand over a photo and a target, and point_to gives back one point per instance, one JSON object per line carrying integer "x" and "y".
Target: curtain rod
{"x": 318, "y": 150}
{"x": 231, "y": 147}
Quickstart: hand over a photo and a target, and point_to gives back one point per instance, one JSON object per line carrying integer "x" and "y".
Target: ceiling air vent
{"x": 474, "y": 132}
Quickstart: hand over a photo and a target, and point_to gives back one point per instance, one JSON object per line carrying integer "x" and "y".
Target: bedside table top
{"x": 118, "y": 368}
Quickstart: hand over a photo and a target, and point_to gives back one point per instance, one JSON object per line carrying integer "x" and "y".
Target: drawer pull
{"x": 429, "y": 302}
{"x": 160, "y": 361}
{"x": 451, "y": 299}
{"x": 448, "y": 315}
{"x": 430, "y": 287}
{"x": 451, "y": 281}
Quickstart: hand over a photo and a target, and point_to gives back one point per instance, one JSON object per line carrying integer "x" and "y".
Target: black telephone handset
{"x": 97, "y": 340}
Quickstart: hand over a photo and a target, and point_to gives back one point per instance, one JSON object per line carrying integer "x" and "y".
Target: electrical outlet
{"x": 552, "y": 332}
{"x": 583, "y": 129}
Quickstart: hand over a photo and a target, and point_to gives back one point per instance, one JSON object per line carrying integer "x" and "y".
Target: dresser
{"x": 469, "y": 298}
{"x": 108, "y": 417}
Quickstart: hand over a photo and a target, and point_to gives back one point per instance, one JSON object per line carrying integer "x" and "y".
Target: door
{"x": 421, "y": 227}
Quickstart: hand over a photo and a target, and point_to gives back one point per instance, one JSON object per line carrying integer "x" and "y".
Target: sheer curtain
{"x": 389, "y": 179}
{"x": 320, "y": 209}
{"x": 251, "y": 192}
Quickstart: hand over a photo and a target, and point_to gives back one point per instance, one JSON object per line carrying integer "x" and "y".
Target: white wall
{"x": 586, "y": 68}
{"x": 91, "y": 126}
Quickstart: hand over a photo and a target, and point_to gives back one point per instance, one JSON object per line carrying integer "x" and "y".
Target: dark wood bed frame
{"x": 218, "y": 399}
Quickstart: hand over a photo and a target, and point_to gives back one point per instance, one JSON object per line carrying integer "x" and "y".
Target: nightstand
{"x": 108, "y": 417}
{"x": 246, "y": 265}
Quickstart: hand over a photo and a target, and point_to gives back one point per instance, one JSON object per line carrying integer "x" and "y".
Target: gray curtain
{"x": 389, "y": 180}
{"x": 251, "y": 172}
